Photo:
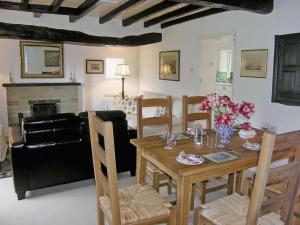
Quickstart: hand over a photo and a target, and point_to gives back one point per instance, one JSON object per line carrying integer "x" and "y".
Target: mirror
{"x": 41, "y": 60}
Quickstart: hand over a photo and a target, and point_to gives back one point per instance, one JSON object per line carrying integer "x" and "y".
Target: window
{"x": 286, "y": 79}
{"x": 110, "y": 66}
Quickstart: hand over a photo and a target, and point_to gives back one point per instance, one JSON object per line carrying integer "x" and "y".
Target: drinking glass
{"x": 170, "y": 138}
{"x": 211, "y": 139}
{"x": 198, "y": 138}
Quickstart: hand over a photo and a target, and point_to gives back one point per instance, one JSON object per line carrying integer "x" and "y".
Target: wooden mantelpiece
{"x": 39, "y": 84}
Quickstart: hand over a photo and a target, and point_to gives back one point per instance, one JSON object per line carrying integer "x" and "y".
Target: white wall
{"x": 93, "y": 87}
{"x": 252, "y": 31}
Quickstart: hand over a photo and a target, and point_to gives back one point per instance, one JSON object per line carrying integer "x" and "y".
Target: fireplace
{"x": 27, "y": 99}
{"x": 44, "y": 107}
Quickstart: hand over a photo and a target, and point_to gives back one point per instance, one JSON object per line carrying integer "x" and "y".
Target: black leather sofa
{"x": 53, "y": 151}
{"x": 56, "y": 149}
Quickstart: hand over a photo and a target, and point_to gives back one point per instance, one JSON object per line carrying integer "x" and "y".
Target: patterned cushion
{"x": 232, "y": 210}
{"x": 160, "y": 111}
{"x": 127, "y": 105}
{"x": 137, "y": 203}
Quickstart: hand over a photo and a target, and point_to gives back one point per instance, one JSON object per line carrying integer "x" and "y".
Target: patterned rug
{"x": 5, "y": 167}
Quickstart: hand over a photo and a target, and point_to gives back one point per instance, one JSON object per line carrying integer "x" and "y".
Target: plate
{"x": 251, "y": 146}
{"x": 189, "y": 159}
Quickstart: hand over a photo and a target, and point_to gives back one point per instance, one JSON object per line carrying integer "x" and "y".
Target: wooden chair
{"x": 239, "y": 209}
{"x": 137, "y": 204}
{"x": 283, "y": 141}
{"x": 201, "y": 188}
{"x": 159, "y": 178}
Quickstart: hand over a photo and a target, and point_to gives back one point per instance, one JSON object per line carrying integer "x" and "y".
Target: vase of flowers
{"x": 227, "y": 114}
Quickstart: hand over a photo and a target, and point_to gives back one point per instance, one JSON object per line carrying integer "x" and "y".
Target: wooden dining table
{"x": 151, "y": 149}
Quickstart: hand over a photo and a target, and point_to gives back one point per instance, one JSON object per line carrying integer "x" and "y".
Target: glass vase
{"x": 224, "y": 134}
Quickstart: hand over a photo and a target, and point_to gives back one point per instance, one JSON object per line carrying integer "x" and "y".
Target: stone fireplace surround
{"x": 20, "y": 97}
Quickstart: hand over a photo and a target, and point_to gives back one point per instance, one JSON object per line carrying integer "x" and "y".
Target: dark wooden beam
{"x": 192, "y": 17}
{"x": 147, "y": 12}
{"x": 56, "y": 4}
{"x": 36, "y": 8}
{"x": 257, "y": 6}
{"x": 85, "y": 7}
{"x": 117, "y": 11}
{"x": 37, "y": 33}
{"x": 24, "y": 4}
{"x": 177, "y": 12}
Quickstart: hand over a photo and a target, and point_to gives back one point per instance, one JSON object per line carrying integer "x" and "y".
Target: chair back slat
{"x": 193, "y": 116}
{"x": 193, "y": 100}
{"x": 153, "y": 102}
{"x": 261, "y": 178}
{"x": 287, "y": 140}
{"x": 282, "y": 173}
{"x": 153, "y": 121}
{"x": 105, "y": 185}
{"x": 100, "y": 154}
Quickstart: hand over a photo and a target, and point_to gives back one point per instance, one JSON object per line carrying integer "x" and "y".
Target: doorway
{"x": 216, "y": 65}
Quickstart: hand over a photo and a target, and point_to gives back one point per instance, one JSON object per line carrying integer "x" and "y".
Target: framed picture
{"x": 169, "y": 65}
{"x": 94, "y": 66}
{"x": 254, "y": 63}
{"x": 52, "y": 58}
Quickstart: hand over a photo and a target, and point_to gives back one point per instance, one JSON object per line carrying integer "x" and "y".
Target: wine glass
{"x": 170, "y": 137}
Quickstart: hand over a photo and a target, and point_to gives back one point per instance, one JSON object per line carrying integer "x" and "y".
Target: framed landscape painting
{"x": 94, "y": 66}
{"x": 169, "y": 65}
{"x": 52, "y": 58}
{"x": 254, "y": 63}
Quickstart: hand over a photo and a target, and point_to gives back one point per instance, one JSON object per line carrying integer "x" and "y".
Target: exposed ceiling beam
{"x": 192, "y": 17}
{"x": 118, "y": 10}
{"x": 29, "y": 32}
{"x": 36, "y": 8}
{"x": 177, "y": 12}
{"x": 257, "y": 6}
{"x": 85, "y": 7}
{"x": 147, "y": 12}
{"x": 24, "y": 4}
{"x": 56, "y": 4}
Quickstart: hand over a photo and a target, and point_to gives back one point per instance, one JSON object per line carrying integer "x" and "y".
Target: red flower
{"x": 205, "y": 105}
{"x": 246, "y": 126}
{"x": 225, "y": 119}
{"x": 247, "y": 109}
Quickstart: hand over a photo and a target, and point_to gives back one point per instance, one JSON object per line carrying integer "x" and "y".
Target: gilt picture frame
{"x": 254, "y": 63}
{"x": 94, "y": 66}
{"x": 169, "y": 65}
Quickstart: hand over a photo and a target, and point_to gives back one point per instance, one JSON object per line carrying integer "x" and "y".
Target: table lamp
{"x": 122, "y": 70}
{"x": 165, "y": 70}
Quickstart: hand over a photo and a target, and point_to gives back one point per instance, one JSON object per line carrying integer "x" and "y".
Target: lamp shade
{"x": 165, "y": 69}
{"x": 122, "y": 70}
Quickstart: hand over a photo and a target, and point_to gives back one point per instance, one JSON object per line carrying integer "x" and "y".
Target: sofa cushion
{"x": 112, "y": 115}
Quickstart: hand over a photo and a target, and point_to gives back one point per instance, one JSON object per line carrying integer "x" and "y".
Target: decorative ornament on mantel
{"x": 11, "y": 80}
{"x": 229, "y": 114}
